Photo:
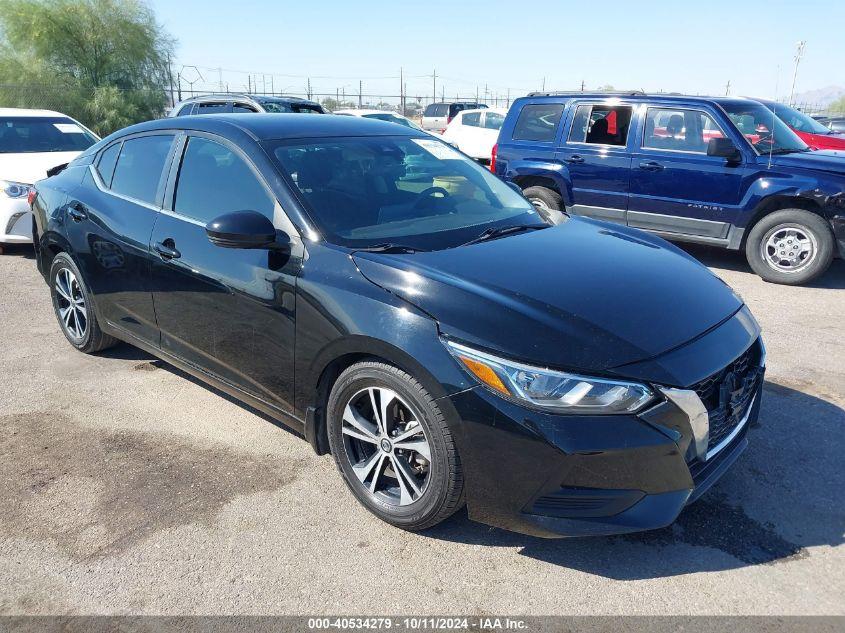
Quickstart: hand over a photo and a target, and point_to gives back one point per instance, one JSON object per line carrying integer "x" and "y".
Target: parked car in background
{"x": 721, "y": 171}
{"x": 380, "y": 115}
{"x": 836, "y": 123}
{"x": 474, "y": 132}
{"x": 368, "y": 285}
{"x": 245, "y": 103}
{"x": 814, "y": 133}
{"x": 31, "y": 143}
{"x": 437, "y": 116}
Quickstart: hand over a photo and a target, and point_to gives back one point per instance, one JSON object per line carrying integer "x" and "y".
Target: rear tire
{"x": 74, "y": 307}
{"x": 790, "y": 246}
{"x": 549, "y": 203}
{"x": 406, "y": 470}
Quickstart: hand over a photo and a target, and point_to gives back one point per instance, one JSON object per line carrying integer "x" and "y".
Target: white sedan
{"x": 381, "y": 115}
{"x": 475, "y": 132}
{"x": 31, "y": 142}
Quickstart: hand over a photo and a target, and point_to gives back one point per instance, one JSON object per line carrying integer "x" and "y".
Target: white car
{"x": 31, "y": 142}
{"x": 475, "y": 132}
{"x": 381, "y": 115}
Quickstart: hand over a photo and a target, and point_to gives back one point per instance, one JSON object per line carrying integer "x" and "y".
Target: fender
{"x": 544, "y": 168}
{"x": 824, "y": 194}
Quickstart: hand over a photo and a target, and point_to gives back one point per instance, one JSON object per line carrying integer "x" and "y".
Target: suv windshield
{"x": 766, "y": 132}
{"x": 417, "y": 192}
{"x": 797, "y": 120}
{"x": 28, "y": 135}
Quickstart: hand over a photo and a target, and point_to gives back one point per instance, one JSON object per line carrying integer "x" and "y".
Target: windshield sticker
{"x": 68, "y": 128}
{"x": 438, "y": 149}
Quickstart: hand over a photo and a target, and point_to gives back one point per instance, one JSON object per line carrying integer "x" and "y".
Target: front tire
{"x": 393, "y": 447}
{"x": 549, "y": 203}
{"x": 790, "y": 246}
{"x": 74, "y": 308}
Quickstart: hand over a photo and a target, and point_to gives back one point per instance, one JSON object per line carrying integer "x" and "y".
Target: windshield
{"x": 797, "y": 120}
{"x": 28, "y": 135}
{"x": 276, "y": 107}
{"x": 766, "y": 132}
{"x": 416, "y": 192}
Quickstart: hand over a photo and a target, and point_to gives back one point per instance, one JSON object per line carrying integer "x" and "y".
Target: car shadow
{"x": 783, "y": 495}
{"x": 714, "y": 257}
{"x": 17, "y": 250}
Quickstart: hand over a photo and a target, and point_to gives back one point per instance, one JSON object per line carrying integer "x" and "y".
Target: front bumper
{"x": 15, "y": 221}
{"x": 550, "y": 475}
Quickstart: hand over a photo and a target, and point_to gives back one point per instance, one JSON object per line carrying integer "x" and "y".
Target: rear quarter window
{"x": 538, "y": 122}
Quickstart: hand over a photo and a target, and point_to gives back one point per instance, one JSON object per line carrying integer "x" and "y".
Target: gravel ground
{"x": 128, "y": 487}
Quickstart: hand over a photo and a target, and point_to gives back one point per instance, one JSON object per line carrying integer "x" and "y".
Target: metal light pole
{"x": 798, "y": 54}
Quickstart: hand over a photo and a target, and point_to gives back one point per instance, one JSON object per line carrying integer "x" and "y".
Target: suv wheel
{"x": 790, "y": 246}
{"x": 74, "y": 308}
{"x": 392, "y": 445}
{"x": 548, "y": 202}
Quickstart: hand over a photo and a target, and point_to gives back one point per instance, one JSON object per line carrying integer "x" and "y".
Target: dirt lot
{"x": 130, "y": 488}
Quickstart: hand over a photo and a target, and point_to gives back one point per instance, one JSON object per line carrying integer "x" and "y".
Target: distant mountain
{"x": 821, "y": 96}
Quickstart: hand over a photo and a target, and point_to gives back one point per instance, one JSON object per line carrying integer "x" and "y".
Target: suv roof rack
{"x": 561, "y": 93}
{"x": 242, "y": 95}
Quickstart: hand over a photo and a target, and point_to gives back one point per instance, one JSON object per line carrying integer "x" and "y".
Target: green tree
{"x": 102, "y": 61}
{"x": 838, "y": 105}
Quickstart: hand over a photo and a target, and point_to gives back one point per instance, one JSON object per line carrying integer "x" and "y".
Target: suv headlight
{"x": 555, "y": 391}
{"x": 14, "y": 189}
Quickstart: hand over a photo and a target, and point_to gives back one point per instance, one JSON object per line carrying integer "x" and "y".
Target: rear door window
{"x": 472, "y": 119}
{"x": 538, "y": 122}
{"x": 140, "y": 165}
{"x": 242, "y": 107}
{"x": 493, "y": 120}
{"x": 236, "y": 187}
{"x": 601, "y": 125}
{"x": 213, "y": 107}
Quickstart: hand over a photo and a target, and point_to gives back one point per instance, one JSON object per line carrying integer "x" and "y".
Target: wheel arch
{"x": 338, "y": 357}
{"x": 778, "y": 203}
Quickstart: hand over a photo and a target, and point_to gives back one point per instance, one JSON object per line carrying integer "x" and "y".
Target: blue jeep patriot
{"x": 720, "y": 171}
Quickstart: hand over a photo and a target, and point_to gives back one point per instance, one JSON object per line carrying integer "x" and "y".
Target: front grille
{"x": 727, "y": 394}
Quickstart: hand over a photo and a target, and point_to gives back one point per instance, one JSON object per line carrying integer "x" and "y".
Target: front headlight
{"x": 555, "y": 391}
{"x": 14, "y": 189}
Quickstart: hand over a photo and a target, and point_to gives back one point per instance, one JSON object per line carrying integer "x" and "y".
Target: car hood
{"x": 822, "y": 160}
{"x": 27, "y": 168}
{"x": 583, "y": 295}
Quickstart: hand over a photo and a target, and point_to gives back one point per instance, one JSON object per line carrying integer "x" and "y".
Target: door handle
{"x": 651, "y": 165}
{"x": 167, "y": 250}
{"x": 575, "y": 158}
{"x": 76, "y": 211}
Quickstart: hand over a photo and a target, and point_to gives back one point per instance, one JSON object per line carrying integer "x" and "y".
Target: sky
{"x": 681, "y": 46}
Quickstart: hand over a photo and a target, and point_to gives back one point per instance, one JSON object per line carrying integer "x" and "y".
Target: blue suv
{"x": 719, "y": 171}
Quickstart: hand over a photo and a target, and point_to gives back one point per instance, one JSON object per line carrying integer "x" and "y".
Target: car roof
{"x": 262, "y": 127}
{"x": 661, "y": 97}
{"x": 11, "y": 112}
{"x": 233, "y": 96}
{"x": 494, "y": 110}
{"x": 363, "y": 111}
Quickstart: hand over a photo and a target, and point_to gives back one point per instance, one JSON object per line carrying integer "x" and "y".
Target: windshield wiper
{"x": 499, "y": 231}
{"x": 389, "y": 247}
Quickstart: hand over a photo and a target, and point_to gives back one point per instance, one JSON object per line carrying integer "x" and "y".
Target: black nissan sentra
{"x": 411, "y": 314}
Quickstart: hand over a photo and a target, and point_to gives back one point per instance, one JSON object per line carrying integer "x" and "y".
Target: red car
{"x": 813, "y": 133}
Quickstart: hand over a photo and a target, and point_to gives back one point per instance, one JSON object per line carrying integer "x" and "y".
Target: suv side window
{"x": 107, "y": 162}
{"x": 538, "y": 122}
{"x": 601, "y": 125}
{"x": 236, "y": 187}
{"x": 242, "y": 107}
{"x": 679, "y": 130}
{"x": 472, "y": 118}
{"x": 139, "y": 167}
{"x": 493, "y": 121}
{"x": 212, "y": 107}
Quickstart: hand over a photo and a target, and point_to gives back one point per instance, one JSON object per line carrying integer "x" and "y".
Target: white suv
{"x": 31, "y": 142}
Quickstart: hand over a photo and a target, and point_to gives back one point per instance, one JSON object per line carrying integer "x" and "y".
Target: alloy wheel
{"x": 788, "y": 248}
{"x": 386, "y": 446}
{"x": 70, "y": 302}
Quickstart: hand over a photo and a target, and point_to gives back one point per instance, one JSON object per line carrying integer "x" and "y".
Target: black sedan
{"x": 410, "y": 313}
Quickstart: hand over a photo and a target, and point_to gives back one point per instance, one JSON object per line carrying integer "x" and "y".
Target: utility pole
{"x": 272, "y": 88}
{"x": 249, "y": 84}
{"x": 170, "y": 77}
{"x": 360, "y": 96}
{"x": 728, "y": 88}
{"x": 582, "y": 85}
{"x": 798, "y": 54}
{"x": 308, "y": 88}
{"x": 220, "y": 78}
{"x": 509, "y": 98}
{"x": 476, "y": 94}
{"x": 443, "y": 93}
{"x": 337, "y": 97}
{"x": 543, "y": 89}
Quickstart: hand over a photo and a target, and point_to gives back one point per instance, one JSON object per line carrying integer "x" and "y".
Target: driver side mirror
{"x": 242, "y": 229}
{"x": 724, "y": 148}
